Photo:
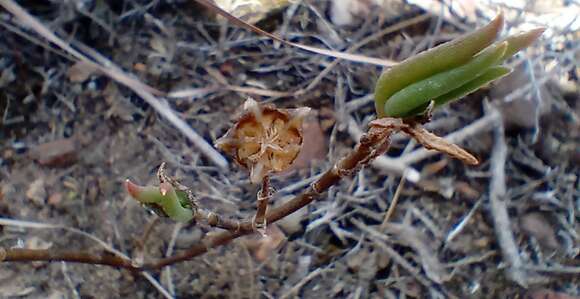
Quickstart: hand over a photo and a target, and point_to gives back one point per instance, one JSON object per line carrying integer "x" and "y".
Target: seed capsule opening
{"x": 265, "y": 139}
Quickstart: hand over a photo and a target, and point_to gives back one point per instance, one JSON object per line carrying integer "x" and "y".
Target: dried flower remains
{"x": 265, "y": 139}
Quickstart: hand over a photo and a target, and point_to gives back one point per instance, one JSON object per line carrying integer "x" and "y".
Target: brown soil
{"x": 68, "y": 140}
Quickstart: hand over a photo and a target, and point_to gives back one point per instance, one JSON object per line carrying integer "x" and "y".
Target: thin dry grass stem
{"x": 378, "y": 238}
{"x": 463, "y": 223}
{"x": 423, "y": 246}
{"x": 166, "y": 273}
{"x": 259, "y": 91}
{"x": 69, "y": 282}
{"x": 373, "y": 37}
{"x": 498, "y": 207}
{"x": 147, "y": 232}
{"x": 263, "y": 198}
{"x": 296, "y": 288}
{"x": 394, "y": 202}
{"x": 342, "y": 55}
{"x": 37, "y": 41}
{"x": 146, "y": 92}
{"x": 223, "y": 81}
{"x": 558, "y": 269}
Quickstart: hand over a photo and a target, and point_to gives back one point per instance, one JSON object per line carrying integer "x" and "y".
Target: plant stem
{"x": 47, "y": 255}
{"x": 373, "y": 143}
{"x": 263, "y": 199}
{"x": 214, "y": 220}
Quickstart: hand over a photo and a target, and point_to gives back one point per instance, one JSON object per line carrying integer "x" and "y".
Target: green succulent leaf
{"x": 433, "y": 61}
{"x": 521, "y": 41}
{"x": 491, "y": 74}
{"x": 449, "y": 71}
{"x": 163, "y": 197}
{"x": 406, "y": 100}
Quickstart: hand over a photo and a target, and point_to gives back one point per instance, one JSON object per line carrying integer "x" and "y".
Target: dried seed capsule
{"x": 265, "y": 139}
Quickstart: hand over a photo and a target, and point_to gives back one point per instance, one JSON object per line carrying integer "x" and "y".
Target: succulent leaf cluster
{"x": 449, "y": 71}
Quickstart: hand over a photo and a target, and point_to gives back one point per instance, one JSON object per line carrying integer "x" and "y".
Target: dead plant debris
{"x": 46, "y": 177}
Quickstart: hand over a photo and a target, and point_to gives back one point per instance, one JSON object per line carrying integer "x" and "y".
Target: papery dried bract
{"x": 424, "y": 137}
{"x": 265, "y": 139}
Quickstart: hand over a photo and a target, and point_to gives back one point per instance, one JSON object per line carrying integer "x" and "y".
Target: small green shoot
{"x": 449, "y": 71}
{"x": 164, "y": 200}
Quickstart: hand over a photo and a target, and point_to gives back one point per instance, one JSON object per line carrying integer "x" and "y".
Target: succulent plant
{"x": 163, "y": 200}
{"x": 448, "y": 71}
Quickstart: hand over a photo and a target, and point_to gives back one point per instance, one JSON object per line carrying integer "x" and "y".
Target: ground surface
{"x": 70, "y": 138}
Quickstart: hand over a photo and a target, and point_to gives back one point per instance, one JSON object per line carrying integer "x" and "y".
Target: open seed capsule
{"x": 265, "y": 139}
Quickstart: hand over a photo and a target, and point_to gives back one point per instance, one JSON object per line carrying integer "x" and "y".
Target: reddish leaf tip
{"x": 499, "y": 19}
{"x": 538, "y": 31}
{"x": 132, "y": 188}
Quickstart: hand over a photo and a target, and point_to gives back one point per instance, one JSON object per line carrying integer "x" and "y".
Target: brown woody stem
{"x": 371, "y": 144}
{"x": 214, "y": 220}
{"x": 47, "y": 255}
{"x": 375, "y": 141}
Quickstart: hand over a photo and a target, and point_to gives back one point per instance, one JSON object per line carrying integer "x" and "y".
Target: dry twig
{"x": 372, "y": 144}
{"x": 343, "y": 55}
{"x": 394, "y": 202}
{"x": 294, "y": 290}
{"x": 107, "y": 67}
{"x": 379, "y": 239}
{"x": 109, "y": 257}
{"x": 369, "y": 144}
{"x": 498, "y": 205}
